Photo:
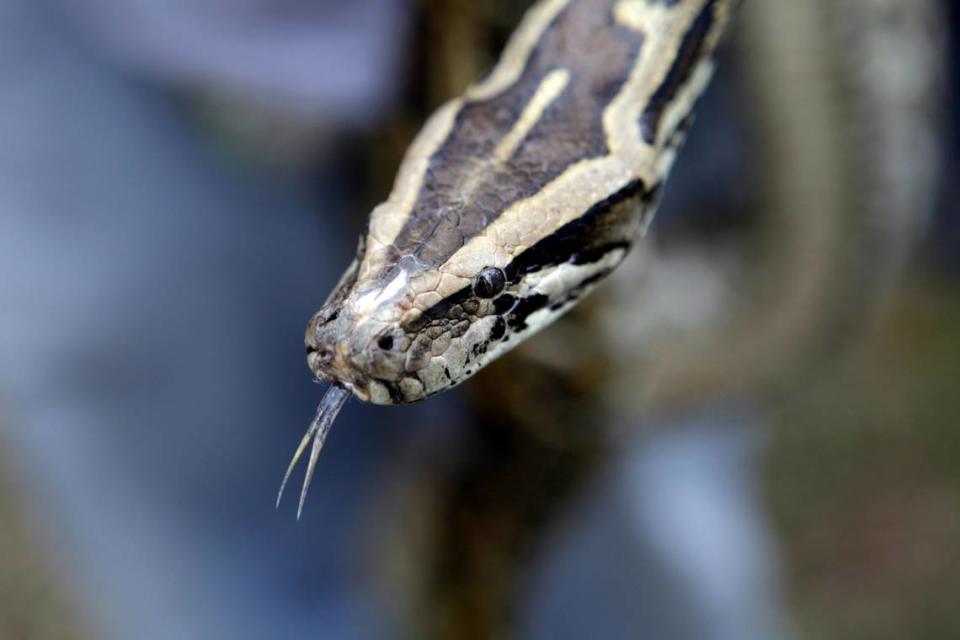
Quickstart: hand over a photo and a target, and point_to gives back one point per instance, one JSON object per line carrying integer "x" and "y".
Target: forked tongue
{"x": 333, "y": 401}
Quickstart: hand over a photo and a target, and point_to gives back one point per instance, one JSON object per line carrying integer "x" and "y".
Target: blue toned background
{"x": 179, "y": 190}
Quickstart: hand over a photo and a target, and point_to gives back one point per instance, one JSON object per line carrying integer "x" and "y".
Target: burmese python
{"x": 514, "y": 200}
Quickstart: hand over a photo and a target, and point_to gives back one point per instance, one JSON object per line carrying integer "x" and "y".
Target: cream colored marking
{"x": 551, "y": 87}
{"x": 684, "y": 101}
{"x": 552, "y": 283}
{"x": 355, "y": 390}
{"x": 527, "y": 221}
{"x": 589, "y": 181}
{"x": 549, "y": 90}
{"x": 634, "y": 14}
{"x": 411, "y": 388}
{"x": 669, "y": 26}
{"x": 682, "y": 104}
{"x": 370, "y": 301}
{"x": 378, "y": 393}
{"x": 664, "y": 28}
{"x": 518, "y": 50}
{"x": 556, "y": 281}
{"x": 388, "y": 218}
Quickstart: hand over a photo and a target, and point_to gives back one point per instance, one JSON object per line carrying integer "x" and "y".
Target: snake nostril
{"x": 323, "y": 355}
{"x": 385, "y": 343}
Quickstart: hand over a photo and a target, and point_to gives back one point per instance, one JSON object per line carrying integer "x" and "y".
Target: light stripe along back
{"x": 516, "y": 198}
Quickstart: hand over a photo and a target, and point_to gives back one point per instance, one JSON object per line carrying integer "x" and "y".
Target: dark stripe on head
{"x": 450, "y": 308}
{"x": 574, "y": 294}
{"x": 517, "y": 319}
{"x": 606, "y": 226}
{"x": 464, "y": 191}
{"x": 603, "y": 228}
{"x": 499, "y": 329}
{"x": 689, "y": 54}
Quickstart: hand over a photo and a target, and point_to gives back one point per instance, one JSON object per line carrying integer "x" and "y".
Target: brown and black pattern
{"x": 539, "y": 175}
{"x": 464, "y": 190}
{"x": 689, "y": 55}
{"x": 608, "y": 225}
{"x": 542, "y": 172}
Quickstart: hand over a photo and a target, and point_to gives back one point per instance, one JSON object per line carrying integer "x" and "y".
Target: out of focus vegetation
{"x": 864, "y": 472}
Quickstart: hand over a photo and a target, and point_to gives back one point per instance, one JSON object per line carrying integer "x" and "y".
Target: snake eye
{"x": 489, "y": 282}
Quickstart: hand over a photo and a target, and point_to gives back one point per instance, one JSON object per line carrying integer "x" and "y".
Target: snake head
{"x": 381, "y": 331}
{"x": 400, "y": 328}
{"x": 355, "y": 340}
{"x": 514, "y": 200}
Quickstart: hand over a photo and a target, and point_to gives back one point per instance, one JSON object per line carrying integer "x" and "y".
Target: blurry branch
{"x": 489, "y": 513}
{"x": 33, "y": 602}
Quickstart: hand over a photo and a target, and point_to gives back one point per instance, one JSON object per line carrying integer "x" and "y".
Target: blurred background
{"x": 750, "y": 432}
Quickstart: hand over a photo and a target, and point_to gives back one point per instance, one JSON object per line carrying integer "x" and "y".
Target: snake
{"x": 514, "y": 201}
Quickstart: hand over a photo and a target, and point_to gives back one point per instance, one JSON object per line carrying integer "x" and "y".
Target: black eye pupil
{"x": 385, "y": 343}
{"x": 489, "y": 283}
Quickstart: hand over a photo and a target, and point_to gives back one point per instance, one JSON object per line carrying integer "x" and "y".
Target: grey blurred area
{"x": 154, "y": 296}
{"x": 180, "y": 188}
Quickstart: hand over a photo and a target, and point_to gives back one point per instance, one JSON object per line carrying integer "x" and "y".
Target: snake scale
{"x": 514, "y": 200}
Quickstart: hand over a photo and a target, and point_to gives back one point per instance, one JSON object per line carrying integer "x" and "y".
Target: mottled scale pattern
{"x": 543, "y": 171}
{"x": 541, "y": 175}
{"x": 688, "y": 55}
{"x": 465, "y": 188}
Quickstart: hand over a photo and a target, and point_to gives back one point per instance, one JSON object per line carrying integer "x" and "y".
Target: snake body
{"x": 515, "y": 199}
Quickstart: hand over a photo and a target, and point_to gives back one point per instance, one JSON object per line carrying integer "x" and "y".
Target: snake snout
{"x": 327, "y": 345}
{"x": 319, "y": 358}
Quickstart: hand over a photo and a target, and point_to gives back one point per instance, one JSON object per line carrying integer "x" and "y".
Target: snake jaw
{"x": 353, "y": 349}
